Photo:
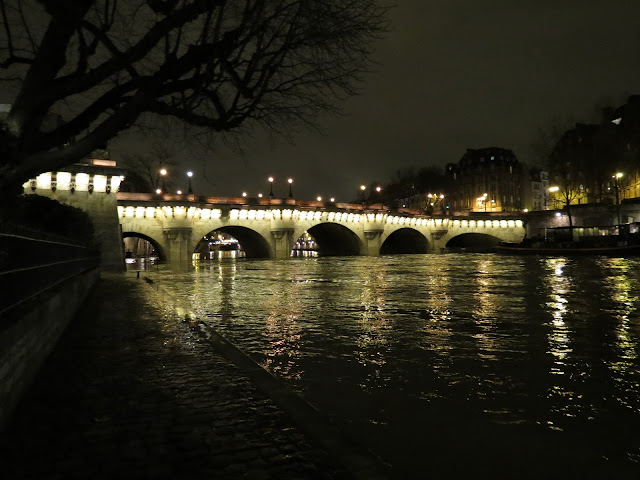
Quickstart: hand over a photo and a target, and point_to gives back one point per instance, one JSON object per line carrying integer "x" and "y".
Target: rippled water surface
{"x": 447, "y": 364}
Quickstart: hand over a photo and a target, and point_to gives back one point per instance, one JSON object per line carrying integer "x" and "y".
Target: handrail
{"x": 42, "y": 290}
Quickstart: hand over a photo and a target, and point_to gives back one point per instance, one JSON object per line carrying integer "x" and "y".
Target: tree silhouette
{"x": 84, "y": 70}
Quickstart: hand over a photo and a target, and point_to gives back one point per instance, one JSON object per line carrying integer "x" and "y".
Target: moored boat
{"x": 568, "y": 249}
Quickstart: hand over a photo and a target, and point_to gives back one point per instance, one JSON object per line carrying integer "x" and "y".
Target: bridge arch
{"x": 155, "y": 243}
{"x": 252, "y": 242}
{"x": 404, "y": 241}
{"x": 333, "y": 239}
{"x": 474, "y": 241}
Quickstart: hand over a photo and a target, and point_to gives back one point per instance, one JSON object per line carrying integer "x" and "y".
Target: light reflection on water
{"x": 465, "y": 347}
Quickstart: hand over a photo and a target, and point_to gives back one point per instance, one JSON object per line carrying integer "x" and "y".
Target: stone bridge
{"x": 269, "y": 228}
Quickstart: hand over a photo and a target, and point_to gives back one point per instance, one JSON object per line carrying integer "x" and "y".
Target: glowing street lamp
{"x": 190, "y": 174}
{"x": 332, "y": 199}
{"x": 290, "y": 181}
{"x": 259, "y": 195}
{"x": 554, "y": 189}
{"x": 617, "y": 177}
{"x": 319, "y": 198}
{"x": 270, "y": 179}
{"x": 483, "y": 201}
{"x": 362, "y": 189}
{"x": 179, "y": 192}
{"x": 244, "y": 194}
{"x": 162, "y": 172}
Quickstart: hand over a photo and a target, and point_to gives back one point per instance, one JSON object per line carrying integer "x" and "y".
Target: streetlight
{"x": 179, "y": 192}
{"x": 290, "y": 181}
{"x": 554, "y": 189}
{"x": 190, "y": 174}
{"x": 259, "y": 195}
{"x": 483, "y": 201}
{"x": 163, "y": 172}
{"x": 362, "y": 189}
{"x": 332, "y": 199}
{"x": 158, "y": 191}
{"x": 617, "y": 177}
{"x": 270, "y": 187}
{"x": 244, "y": 194}
{"x": 378, "y": 190}
{"x": 319, "y": 198}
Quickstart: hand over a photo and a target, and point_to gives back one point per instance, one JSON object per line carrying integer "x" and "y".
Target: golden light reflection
{"x": 559, "y": 334}
{"x": 372, "y": 341}
{"x": 620, "y": 287}
{"x": 283, "y": 333}
{"x": 486, "y": 310}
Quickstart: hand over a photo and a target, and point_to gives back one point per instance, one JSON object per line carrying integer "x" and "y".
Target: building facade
{"x": 486, "y": 180}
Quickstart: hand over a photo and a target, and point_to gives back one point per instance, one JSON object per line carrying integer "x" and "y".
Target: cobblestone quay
{"x": 133, "y": 391}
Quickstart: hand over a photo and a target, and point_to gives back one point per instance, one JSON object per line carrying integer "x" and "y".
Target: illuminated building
{"x": 486, "y": 180}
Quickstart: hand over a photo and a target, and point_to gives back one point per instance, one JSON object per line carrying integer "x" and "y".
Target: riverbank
{"x": 132, "y": 391}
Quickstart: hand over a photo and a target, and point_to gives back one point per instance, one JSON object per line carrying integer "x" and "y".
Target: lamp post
{"x": 190, "y": 174}
{"x": 483, "y": 201}
{"x": 554, "y": 190}
{"x": 162, "y": 172}
{"x": 290, "y": 181}
{"x": 270, "y": 179}
{"x": 617, "y": 177}
{"x": 362, "y": 189}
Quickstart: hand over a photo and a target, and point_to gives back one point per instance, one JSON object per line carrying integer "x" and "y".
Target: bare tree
{"x": 97, "y": 67}
{"x": 143, "y": 170}
{"x": 567, "y": 164}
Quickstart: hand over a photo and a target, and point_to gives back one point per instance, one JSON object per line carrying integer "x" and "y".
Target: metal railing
{"x": 33, "y": 263}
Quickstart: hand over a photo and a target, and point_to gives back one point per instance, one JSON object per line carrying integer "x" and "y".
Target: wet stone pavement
{"x": 131, "y": 391}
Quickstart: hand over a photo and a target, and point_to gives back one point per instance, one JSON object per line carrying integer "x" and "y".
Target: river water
{"x": 474, "y": 364}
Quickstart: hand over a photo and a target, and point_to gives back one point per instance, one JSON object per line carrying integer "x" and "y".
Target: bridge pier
{"x": 372, "y": 241}
{"x": 178, "y": 244}
{"x": 437, "y": 242}
{"x": 282, "y": 243}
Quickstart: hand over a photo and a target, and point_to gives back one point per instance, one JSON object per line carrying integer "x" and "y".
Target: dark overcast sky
{"x": 452, "y": 74}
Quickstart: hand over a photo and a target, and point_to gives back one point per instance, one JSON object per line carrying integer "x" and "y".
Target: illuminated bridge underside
{"x": 272, "y": 232}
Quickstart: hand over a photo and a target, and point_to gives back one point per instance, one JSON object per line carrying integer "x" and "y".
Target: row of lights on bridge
{"x": 162, "y": 173}
{"x": 270, "y": 179}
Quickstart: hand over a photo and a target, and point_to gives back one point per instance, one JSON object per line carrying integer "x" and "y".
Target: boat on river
{"x": 619, "y": 240}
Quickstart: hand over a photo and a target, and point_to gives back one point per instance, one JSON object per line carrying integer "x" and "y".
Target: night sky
{"x": 451, "y": 75}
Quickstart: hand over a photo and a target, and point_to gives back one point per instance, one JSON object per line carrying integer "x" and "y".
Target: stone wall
{"x": 28, "y": 336}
